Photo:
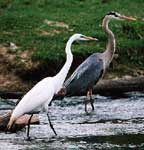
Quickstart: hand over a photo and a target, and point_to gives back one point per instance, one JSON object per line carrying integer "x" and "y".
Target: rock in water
{"x": 19, "y": 124}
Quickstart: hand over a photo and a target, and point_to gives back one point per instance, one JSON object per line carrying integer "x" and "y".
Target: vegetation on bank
{"x": 44, "y": 26}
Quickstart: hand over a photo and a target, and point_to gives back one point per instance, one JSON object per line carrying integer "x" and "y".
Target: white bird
{"x": 42, "y": 93}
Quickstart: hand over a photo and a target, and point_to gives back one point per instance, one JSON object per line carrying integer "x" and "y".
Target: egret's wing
{"x": 35, "y": 98}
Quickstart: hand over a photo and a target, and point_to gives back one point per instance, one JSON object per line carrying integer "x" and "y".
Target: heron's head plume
{"x": 115, "y": 15}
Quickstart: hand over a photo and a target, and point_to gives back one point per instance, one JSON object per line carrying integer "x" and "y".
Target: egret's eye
{"x": 82, "y": 36}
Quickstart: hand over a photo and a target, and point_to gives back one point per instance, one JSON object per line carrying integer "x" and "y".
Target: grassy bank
{"x": 44, "y": 26}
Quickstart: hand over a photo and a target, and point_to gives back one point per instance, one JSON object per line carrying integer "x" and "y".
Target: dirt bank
{"x": 18, "y": 72}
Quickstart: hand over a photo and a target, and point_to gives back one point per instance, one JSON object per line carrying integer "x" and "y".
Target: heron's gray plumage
{"x": 91, "y": 70}
{"x": 85, "y": 76}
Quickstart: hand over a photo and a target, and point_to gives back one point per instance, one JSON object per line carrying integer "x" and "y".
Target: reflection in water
{"x": 115, "y": 124}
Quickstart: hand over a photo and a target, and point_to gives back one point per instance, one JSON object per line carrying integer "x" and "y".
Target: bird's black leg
{"x": 51, "y": 124}
{"x": 18, "y": 101}
{"x": 29, "y": 121}
{"x": 91, "y": 99}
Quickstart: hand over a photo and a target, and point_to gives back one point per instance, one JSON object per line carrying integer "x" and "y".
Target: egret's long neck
{"x": 60, "y": 77}
{"x": 110, "y": 48}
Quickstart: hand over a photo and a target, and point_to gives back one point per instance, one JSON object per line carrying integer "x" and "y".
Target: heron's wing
{"x": 87, "y": 74}
{"x": 77, "y": 73}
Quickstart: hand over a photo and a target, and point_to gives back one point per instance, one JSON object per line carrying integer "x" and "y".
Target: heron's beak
{"x": 90, "y": 38}
{"x": 127, "y": 18}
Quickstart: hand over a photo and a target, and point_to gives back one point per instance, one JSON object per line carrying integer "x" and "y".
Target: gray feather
{"x": 85, "y": 76}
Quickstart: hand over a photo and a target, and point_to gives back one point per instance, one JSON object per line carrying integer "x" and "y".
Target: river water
{"x": 116, "y": 124}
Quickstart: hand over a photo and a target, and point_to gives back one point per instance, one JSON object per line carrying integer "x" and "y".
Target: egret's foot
{"x": 54, "y": 131}
{"x": 28, "y": 138}
{"x": 54, "y": 137}
{"x": 88, "y": 113}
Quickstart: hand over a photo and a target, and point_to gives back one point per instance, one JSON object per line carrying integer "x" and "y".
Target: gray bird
{"x": 93, "y": 68}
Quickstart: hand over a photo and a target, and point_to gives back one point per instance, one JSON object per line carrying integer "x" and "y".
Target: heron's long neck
{"x": 60, "y": 77}
{"x": 110, "y": 49}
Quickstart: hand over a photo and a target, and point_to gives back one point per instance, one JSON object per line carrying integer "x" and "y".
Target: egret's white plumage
{"x": 42, "y": 93}
{"x": 38, "y": 97}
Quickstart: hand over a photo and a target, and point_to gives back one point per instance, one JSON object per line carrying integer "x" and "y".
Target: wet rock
{"x": 19, "y": 124}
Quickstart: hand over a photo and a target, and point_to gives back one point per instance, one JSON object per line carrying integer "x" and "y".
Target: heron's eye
{"x": 116, "y": 15}
{"x": 113, "y": 14}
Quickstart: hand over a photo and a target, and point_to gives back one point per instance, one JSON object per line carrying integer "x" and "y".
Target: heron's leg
{"x": 51, "y": 124}
{"x": 86, "y": 102}
{"x": 91, "y": 99}
{"x": 28, "y": 130}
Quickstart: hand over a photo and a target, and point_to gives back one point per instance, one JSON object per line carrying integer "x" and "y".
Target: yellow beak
{"x": 91, "y": 38}
{"x": 128, "y": 18}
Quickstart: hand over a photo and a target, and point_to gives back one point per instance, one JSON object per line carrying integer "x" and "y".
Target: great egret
{"x": 42, "y": 93}
{"x": 92, "y": 69}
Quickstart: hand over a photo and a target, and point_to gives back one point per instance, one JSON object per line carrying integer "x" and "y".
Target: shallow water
{"x": 116, "y": 123}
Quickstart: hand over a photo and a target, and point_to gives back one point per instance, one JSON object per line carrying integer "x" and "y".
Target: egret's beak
{"x": 90, "y": 38}
{"x": 127, "y": 18}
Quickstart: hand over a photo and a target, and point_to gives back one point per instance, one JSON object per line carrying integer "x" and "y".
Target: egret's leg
{"x": 18, "y": 101}
{"x": 28, "y": 130}
{"x": 46, "y": 110}
{"x": 51, "y": 124}
{"x": 91, "y": 99}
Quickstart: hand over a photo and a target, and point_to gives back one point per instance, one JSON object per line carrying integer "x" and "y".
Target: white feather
{"x": 42, "y": 93}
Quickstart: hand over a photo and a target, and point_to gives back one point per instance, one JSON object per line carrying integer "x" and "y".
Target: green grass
{"x": 22, "y": 21}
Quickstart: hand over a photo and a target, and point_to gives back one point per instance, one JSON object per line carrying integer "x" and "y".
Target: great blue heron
{"x": 92, "y": 69}
{"x": 42, "y": 93}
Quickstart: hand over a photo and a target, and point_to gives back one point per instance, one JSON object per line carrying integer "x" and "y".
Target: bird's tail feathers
{"x": 10, "y": 123}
